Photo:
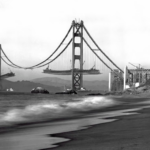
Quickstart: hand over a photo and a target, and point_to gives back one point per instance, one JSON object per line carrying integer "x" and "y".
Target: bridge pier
{"x": 125, "y": 78}
{"x": 110, "y": 82}
{"x": 115, "y": 82}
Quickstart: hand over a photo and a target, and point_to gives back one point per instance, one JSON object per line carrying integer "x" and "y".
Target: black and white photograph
{"x": 74, "y": 75}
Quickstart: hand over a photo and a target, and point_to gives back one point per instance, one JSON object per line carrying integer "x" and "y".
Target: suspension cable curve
{"x": 96, "y": 54}
{"x": 101, "y": 49}
{"x": 7, "y": 62}
{"x": 56, "y": 56}
{"x": 10, "y": 60}
{"x": 32, "y": 67}
{"x": 54, "y": 51}
{"x": 60, "y": 52}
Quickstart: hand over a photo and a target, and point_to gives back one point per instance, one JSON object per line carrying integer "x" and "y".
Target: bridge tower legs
{"x": 77, "y": 76}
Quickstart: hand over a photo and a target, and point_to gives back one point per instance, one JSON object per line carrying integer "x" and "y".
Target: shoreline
{"x": 76, "y": 137}
{"x": 127, "y": 132}
{"x": 123, "y": 103}
{"x": 51, "y": 131}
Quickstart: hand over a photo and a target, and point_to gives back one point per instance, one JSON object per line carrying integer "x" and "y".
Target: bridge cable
{"x": 57, "y": 55}
{"x": 7, "y": 63}
{"x": 101, "y": 49}
{"x": 10, "y": 60}
{"x": 61, "y": 51}
{"x": 32, "y": 67}
{"x": 54, "y": 51}
{"x": 96, "y": 54}
{"x": 46, "y": 63}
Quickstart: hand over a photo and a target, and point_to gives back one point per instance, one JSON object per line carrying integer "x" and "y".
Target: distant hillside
{"x": 96, "y": 85}
{"x": 27, "y": 86}
{"x": 58, "y": 82}
{"x": 52, "y": 81}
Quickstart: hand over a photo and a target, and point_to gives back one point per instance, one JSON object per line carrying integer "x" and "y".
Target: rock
{"x": 95, "y": 94}
{"x": 39, "y": 90}
{"x": 67, "y": 92}
{"x": 142, "y": 89}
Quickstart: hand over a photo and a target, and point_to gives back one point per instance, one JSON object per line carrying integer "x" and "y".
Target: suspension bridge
{"x": 76, "y": 51}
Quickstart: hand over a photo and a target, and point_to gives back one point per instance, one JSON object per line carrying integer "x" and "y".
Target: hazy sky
{"x": 31, "y": 29}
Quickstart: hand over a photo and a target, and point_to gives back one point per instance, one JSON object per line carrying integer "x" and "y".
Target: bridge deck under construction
{"x": 7, "y": 75}
{"x": 77, "y": 30}
{"x": 69, "y": 72}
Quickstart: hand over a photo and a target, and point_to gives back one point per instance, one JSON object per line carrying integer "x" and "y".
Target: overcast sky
{"x": 30, "y": 30}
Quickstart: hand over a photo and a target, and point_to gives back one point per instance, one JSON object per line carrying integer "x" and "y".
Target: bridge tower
{"x": 77, "y": 75}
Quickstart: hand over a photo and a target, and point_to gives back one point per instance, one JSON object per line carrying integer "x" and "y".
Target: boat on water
{"x": 67, "y": 91}
{"x": 83, "y": 90}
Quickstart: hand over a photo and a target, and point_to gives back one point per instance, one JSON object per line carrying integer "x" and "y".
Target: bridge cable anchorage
{"x": 101, "y": 49}
{"x": 96, "y": 54}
